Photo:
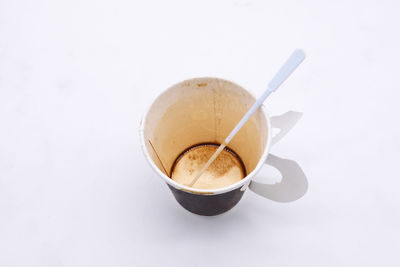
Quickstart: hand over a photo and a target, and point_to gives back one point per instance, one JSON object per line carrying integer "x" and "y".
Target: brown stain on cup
{"x": 219, "y": 167}
{"x": 227, "y": 168}
{"x": 202, "y": 84}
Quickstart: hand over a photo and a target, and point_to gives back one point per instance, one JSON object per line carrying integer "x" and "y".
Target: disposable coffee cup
{"x": 205, "y": 110}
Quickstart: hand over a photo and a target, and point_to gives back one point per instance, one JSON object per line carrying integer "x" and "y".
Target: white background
{"x": 76, "y": 77}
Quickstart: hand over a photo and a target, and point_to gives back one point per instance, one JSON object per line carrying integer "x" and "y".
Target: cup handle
{"x": 285, "y": 123}
{"x": 293, "y": 185}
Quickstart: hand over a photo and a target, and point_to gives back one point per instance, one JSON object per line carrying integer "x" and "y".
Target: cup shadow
{"x": 293, "y": 186}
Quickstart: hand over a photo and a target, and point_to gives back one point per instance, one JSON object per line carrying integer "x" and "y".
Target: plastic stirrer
{"x": 290, "y": 65}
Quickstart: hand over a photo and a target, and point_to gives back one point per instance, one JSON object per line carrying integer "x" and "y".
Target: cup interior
{"x": 203, "y": 110}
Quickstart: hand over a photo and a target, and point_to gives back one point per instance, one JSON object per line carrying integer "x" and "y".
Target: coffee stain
{"x": 200, "y": 154}
{"x": 222, "y": 164}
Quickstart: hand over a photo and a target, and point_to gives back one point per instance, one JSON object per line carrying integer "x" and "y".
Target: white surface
{"x": 75, "y": 78}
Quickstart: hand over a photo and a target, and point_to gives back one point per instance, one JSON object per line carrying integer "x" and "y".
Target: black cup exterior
{"x": 206, "y": 204}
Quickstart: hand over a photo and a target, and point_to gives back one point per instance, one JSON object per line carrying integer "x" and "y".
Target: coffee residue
{"x": 227, "y": 168}
{"x": 222, "y": 164}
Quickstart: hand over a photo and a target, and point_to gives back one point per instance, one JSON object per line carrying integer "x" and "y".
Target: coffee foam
{"x": 225, "y": 170}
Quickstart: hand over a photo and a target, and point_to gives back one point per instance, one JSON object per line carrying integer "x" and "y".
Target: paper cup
{"x": 205, "y": 110}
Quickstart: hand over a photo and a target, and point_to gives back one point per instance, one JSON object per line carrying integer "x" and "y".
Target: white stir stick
{"x": 290, "y": 65}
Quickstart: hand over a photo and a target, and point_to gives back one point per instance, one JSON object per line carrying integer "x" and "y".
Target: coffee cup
{"x": 205, "y": 110}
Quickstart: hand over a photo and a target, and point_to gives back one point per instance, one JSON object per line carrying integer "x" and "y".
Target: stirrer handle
{"x": 284, "y": 72}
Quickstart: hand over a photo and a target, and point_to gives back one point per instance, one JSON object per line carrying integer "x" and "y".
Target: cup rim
{"x": 243, "y": 182}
